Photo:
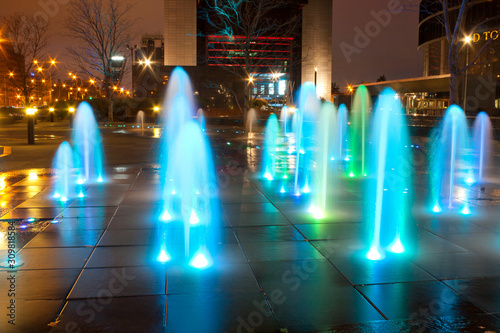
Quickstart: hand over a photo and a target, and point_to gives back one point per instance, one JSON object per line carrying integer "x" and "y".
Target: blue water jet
{"x": 270, "y": 152}
{"x": 304, "y": 125}
{"x": 451, "y": 167}
{"x": 189, "y": 217}
{"x": 388, "y": 187}
{"x": 482, "y": 137}
{"x": 86, "y": 140}
{"x": 65, "y": 186}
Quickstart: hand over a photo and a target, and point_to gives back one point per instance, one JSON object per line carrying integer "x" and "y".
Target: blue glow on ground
{"x": 163, "y": 257}
{"x": 465, "y": 210}
{"x": 165, "y": 216}
{"x": 374, "y": 254}
{"x": 201, "y": 260}
{"x": 437, "y": 208}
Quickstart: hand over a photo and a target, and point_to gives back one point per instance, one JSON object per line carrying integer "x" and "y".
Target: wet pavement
{"x": 89, "y": 265}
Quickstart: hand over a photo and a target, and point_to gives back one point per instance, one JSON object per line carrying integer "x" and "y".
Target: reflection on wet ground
{"x": 90, "y": 263}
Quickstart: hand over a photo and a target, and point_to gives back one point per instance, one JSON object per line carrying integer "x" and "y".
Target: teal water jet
{"x": 388, "y": 187}
{"x": 270, "y": 153}
{"x": 189, "y": 217}
{"x": 482, "y": 137}
{"x": 451, "y": 162}
{"x": 86, "y": 140}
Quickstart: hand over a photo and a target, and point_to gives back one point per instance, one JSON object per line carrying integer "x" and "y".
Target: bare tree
{"x": 452, "y": 15}
{"x": 103, "y": 29}
{"x": 28, "y": 37}
{"x": 245, "y": 22}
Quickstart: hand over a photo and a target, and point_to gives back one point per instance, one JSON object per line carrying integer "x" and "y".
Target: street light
{"x": 467, "y": 42}
{"x": 51, "y": 115}
{"x": 30, "y": 112}
{"x": 156, "y": 114}
{"x": 71, "y": 112}
{"x": 132, "y": 48}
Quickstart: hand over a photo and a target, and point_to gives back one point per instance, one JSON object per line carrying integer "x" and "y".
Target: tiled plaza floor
{"x": 276, "y": 269}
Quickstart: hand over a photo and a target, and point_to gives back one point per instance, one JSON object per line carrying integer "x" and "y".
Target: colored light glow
{"x": 173, "y": 192}
{"x": 81, "y": 195}
{"x": 351, "y": 174}
{"x": 193, "y": 219}
{"x": 346, "y": 159}
{"x": 54, "y": 221}
{"x": 374, "y": 254}
{"x": 317, "y": 213}
{"x": 57, "y": 195}
{"x": 268, "y": 175}
{"x": 63, "y": 199}
{"x": 200, "y": 261}
{"x": 31, "y": 220}
{"x": 306, "y": 189}
{"x": 80, "y": 181}
{"x": 3, "y": 184}
{"x": 163, "y": 257}
{"x": 282, "y": 190}
{"x": 437, "y": 208}
{"x": 465, "y": 210}
{"x": 397, "y": 246}
{"x": 285, "y": 176}
{"x": 469, "y": 180}
{"x": 24, "y": 226}
{"x": 165, "y": 216}
{"x": 100, "y": 180}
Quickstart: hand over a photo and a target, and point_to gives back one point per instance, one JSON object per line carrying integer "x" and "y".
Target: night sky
{"x": 391, "y": 50}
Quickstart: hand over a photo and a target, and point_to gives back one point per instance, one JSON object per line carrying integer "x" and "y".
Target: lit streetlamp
{"x": 467, "y": 42}
{"x": 30, "y": 113}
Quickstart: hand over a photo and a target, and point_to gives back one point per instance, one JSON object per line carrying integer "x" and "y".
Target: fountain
{"x": 482, "y": 136}
{"x": 323, "y": 167}
{"x": 285, "y": 111}
{"x": 201, "y": 119}
{"x": 190, "y": 208}
{"x": 140, "y": 120}
{"x": 86, "y": 140}
{"x": 450, "y": 163}
{"x": 270, "y": 153}
{"x": 304, "y": 125}
{"x": 250, "y": 122}
{"x": 341, "y": 140}
{"x": 358, "y": 132}
{"x": 65, "y": 187}
{"x": 388, "y": 187}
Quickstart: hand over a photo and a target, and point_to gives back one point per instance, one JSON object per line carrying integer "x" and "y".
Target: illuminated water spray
{"x": 342, "y": 135}
{"x": 86, "y": 140}
{"x": 270, "y": 153}
{"x": 190, "y": 209}
{"x": 140, "y": 120}
{"x": 389, "y": 183}
{"x": 451, "y": 162}
{"x": 65, "y": 184}
{"x": 251, "y": 121}
{"x": 201, "y": 119}
{"x": 304, "y": 125}
{"x": 358, "y": 132}
{"x": 284, "y": 119}
{"x": 323, "y": 170}
{"x": 482, "y": 136}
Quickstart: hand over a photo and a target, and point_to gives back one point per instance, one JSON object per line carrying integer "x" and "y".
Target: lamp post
{"x": 132, "y": 49}
{"x": 30, "y": 113}
{"x": 467, "y": 41}
{"x": 51, "y": 115}
{"x": 316, "y": 80}
{"x": 71, "y": 112}
{"x": 157, "y": 114}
